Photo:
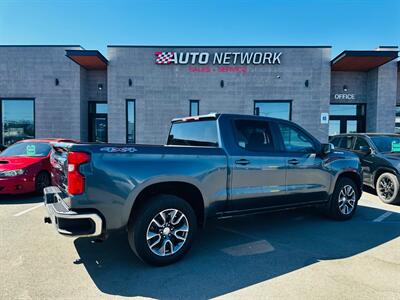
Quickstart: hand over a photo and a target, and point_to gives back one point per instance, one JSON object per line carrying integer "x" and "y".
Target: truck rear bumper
{"x": 68, "y": 222}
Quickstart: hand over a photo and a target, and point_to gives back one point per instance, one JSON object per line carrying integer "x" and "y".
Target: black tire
{"x": 42, "y": 180}
{"x": 142, "y": 221}
{"x": 337, "y": 205}
{"x": 387, "y": 188}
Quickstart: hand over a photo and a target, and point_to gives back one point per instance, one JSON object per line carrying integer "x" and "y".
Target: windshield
{"x": 27, "y": 149}
{"x": 387, "y": 143}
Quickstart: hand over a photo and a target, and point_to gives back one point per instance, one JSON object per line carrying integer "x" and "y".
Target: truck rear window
{"x": 194, "y": 133}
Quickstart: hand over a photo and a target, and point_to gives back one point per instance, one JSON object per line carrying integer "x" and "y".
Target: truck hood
{"x": 8, "y": 163}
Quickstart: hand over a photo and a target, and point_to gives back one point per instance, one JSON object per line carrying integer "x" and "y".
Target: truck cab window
{"x": 295, "y": 140}
{"x": 360, "y": 142}
{"x": 346, "y": 142}
{"x": 194, "y": 133}
{"x": 253, "y": 136}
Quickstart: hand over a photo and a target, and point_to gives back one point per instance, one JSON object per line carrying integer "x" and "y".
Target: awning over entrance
{"x": 89, "y": 59}
{"x": 361, "y": 60}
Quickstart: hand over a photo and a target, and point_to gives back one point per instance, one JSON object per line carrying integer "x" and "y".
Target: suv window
{"x": 335, "y": 141}
{"x": 295, "y": 140}
{"x": 254, "y": 135}
{"x": 346, "y": 142}
{"x": 194, "y": 133}
{"x": 359, "y": 143}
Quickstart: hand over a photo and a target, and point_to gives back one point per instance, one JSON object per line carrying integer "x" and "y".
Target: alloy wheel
{"x": 386, "y": 188}
{"x": 347, "y": 199}
{"x": 167, "y": 232}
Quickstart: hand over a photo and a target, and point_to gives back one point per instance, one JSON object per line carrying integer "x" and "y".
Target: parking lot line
{"x": 28, "y": 210}
{"x": 383, "y": 216}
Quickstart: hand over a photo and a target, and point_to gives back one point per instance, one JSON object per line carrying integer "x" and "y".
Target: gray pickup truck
{"x": 212, "y": 166}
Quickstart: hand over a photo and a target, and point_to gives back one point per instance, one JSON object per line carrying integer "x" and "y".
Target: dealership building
{"x": 131, "y": 94}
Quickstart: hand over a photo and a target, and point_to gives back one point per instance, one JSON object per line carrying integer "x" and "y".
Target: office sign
{"x": 344, "y": 97}
{"x": 219, "y": 58}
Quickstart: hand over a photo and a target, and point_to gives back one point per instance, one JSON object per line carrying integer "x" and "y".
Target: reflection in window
{"x": 17, "y": 120}
{"x": 295, "y": 140}
{"x": 198, "y": 133}
{"x": 397, "y": 128}
{"x": 194, "y": 108}
{"x": 273, "y": 109}
{"x": 130, "y": 121}
{"x": 347, "y": 110}
{"x": 98, "y": 108}
{"x": 334, "y": 127}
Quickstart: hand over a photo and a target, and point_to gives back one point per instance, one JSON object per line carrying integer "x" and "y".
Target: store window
{"x": 98, "y": 122}
{"x": 17, "y": 119}
{"x": 346, "y": 118}
{"x": 130, "y": 121}
{"x": 194, "y": 107}
{"x": 397, "y": 127}
{"x": 273, "y": 109}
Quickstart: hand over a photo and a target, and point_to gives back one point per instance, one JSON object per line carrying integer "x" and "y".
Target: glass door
{"x": 346, "y": 118}
{"x": 98, "y": 122}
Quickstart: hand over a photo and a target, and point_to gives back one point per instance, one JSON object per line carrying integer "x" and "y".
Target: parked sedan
{"x": 25, "y": 166}
{"x": 380, "y": 159}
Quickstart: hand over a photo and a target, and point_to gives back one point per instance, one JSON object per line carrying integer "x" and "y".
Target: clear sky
{"x": 344, "y": 24}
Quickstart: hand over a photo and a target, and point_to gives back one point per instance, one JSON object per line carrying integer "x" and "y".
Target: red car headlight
{"x": 12, "y": 173}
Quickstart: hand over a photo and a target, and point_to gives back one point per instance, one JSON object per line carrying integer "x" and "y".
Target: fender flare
{"x": 135, "y": 192}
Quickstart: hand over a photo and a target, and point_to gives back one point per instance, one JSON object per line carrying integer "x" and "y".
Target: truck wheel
{"x": 162, "y": 231}
{"x": 344, "y": 200}
{"x": 387, "y": 188}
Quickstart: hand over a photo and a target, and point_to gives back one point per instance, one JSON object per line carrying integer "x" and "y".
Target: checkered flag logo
{"x": 164, "y": 58}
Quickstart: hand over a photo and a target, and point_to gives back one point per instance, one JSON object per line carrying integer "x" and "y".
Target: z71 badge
{"x": 118, "y": 149}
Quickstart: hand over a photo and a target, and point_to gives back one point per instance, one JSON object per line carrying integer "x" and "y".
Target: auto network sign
{"x": 219, "y": 58}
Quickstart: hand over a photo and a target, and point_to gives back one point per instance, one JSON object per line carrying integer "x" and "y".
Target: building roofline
{"x": 361, "y": 53}
{"x": 96, "y": 53}
{"x": 87, "y": 59}
{"x": 213, "y": 46}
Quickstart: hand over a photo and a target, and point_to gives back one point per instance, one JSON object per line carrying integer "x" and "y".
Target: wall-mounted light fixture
{"x": 306, "y": 83}
{"x": 56, "y": 82}
{"x": 130, "y": 82}
{"x": 100, "y": 86}
{"x": 345, "y": 89}
{"x": 222, "y": 83}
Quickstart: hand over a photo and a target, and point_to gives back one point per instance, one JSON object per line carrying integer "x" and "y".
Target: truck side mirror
{"x": 327, "y": 148}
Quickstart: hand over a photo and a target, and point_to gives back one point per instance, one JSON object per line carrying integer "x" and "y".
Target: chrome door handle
{"x": 242, "y": 162}
{"x": 293, "y": 161}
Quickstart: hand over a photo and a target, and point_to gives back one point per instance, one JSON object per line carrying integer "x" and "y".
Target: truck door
{"x": 257, "y": 168}
{"x": 306, "y": 179}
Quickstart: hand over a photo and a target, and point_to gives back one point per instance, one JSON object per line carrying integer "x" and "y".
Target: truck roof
{"x": 217, "y": 115}
{"x": 366, "y": 134}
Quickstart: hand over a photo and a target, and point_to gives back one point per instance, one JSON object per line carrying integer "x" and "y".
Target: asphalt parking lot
{"x": 296, "y": 254}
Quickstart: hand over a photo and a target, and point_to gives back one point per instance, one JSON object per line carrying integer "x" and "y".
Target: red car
{"x": 25, "y": 166}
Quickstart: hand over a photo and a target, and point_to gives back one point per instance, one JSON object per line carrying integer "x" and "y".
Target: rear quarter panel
{"x": 114, "y": 180}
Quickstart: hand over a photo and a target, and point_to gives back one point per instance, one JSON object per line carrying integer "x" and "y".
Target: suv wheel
{"x": 161, "y": 232}
{"x": 387, "y": 188}
{"x": 344, "y": 199}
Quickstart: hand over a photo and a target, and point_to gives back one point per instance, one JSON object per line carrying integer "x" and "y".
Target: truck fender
{"x": 127, "y": 208}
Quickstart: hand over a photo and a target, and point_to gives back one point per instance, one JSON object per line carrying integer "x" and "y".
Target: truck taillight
{"x": 76, "y": 181}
